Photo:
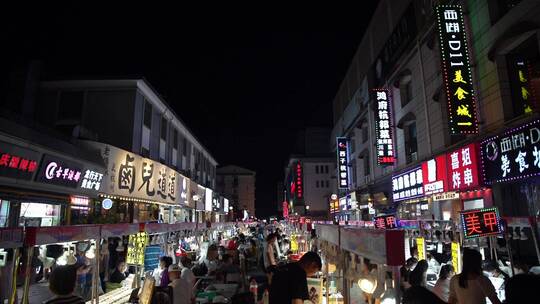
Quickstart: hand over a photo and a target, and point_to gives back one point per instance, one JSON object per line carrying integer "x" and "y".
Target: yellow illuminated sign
{"x": 421, "y": 247}
{"x": 456, "y": 257}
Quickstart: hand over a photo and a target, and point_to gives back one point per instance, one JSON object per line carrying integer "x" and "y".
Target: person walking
{"x": 471, "y": 286}
{"x": 62, "y": 284}
{"x": 442, "y": 287}
{"x": 269, "y": 258}
{"x": 290, "y": 281}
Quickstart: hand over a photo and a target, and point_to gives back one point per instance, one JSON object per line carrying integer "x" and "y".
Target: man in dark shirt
{"x": 289, "y": 283}
{"x": 62, "y": 283}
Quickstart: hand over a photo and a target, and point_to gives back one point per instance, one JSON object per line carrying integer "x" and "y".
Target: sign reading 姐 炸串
{"x": 456, "y": 70}
{"x": 512, "y": 155}
{"x": 408, "y": 185}
{"x": 383, "y": 128}
{"x": 342, "y": 162}
{"x": 480, "y": 222}
{"x": 463, "y": 168}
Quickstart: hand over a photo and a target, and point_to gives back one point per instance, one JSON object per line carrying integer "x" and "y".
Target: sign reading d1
{"x": 383, "y": 128}
{"x": 386, "y": 222}
{"x": 456, "y": 70}
{"x": 512, "y": 155}
{"x": 480, "y": 222}
{"x": 342, "y": 162}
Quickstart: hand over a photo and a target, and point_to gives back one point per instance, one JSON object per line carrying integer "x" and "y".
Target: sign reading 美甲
{"x": 386, "y": 222}
{"x": 456, "y": 70}
{"x": 408, "y": 185}
{"x": 512, "y": 155}
{"x": 342, "y": 162}
{"x": 130, "y": 175}
{"x": 480, "y": 222}
{"x": 383, "y": 128}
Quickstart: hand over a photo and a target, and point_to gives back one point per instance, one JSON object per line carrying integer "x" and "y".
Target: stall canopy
{"x": 380, "y": 246}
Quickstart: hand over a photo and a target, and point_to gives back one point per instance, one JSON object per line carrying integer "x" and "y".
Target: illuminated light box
{"x": 383, "y": 127}
{"x": 463, "y": 168}
{"x": 342, "y": 149}
{"x": 513, "y": 155}
{"x": 408, "y": 185}
{"x": 434, "y": 175}
{"x": 480, "y": 222}
{"x": 456, "y": 70}
{"x": 386, "y": 222}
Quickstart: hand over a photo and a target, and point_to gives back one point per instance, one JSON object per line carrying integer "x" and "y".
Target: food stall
{"x": 72, "y": 245}
{"x": 11, "y": 242}
{"x": 372, "y": 258}
{"x": 333, "y": 264}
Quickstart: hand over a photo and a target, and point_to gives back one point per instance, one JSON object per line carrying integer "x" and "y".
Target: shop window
{"x": 523, "y": 66}
{"x": 411, "y": 146}
{"x": 164, "y": 128}
{"x": 70, "y": 105}
{"x": 405, "y": 89}
{"x": 147, "y": 114}
{"x": 4, "y": 213}
{"x": 327, "y": 183}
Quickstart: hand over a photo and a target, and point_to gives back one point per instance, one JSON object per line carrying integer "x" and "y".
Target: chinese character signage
{"x": 421, "y": 247}
{"x": 383, "y": 128}
{"x": 480, "y": 222}
{"x": 434, "y": 175}
{"x": 91, "y": 180}
{"x": 456, "y": 256}
{"x": 131, "y": 175}
{"x": 297, "y": 185}
{"x": 17, "y": 162}
{"x": 285, "y": 209}
{"x": 523, "y": 97}
{"x": 463, "y": 168}
{"x": 342, "y": 162}
{"x": 386, "y": 222}
{"x": 60, "y": 172}
{"x": 456, "y": 70}
{"x": 408, "y": 185}
{"x": 512, "y": 155}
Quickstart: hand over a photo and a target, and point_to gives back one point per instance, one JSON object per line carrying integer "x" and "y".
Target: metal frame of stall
{"x": 12, "y": 238}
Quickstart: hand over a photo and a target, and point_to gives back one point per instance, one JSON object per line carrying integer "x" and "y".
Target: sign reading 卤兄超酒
{"x": 457, "y": 74}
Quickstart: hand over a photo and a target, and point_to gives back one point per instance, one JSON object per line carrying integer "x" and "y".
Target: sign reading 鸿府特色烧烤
{"x": 408, "y": 185}
{"x": 512, "y": 155}
{"x": 342, "y": 162}
{"x": 456, "y": 70}
{"x": 480, "y": 222}
{"x": 383, "y": 128}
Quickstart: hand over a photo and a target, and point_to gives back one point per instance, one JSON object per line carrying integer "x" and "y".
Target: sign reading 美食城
{"x": 480, "y": 222}
{"x": 523, "y": 95}
{"x": 457, "y": 75}
{"x": 463, "y": 168}
{"x": 342, "y": 162}
{"x": 383, "y": 128}
{"x": 408, "y": 185}
{"x": 130, "y": 175}
{"x": 513, "y": 155}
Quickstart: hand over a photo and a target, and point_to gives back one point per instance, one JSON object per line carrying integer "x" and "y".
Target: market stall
{"x": 11, "y": 242}
{"x": 332, "y": 281}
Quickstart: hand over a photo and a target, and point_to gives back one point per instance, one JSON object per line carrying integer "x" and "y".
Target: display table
{"x": 118, "y": 296}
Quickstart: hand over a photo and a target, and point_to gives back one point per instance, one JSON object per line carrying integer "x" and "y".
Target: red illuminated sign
{"x": 17, "y": 162}
{"x": 383, "y": 128}
{"x": 285, "y": 209}
{"x": 480, "y": 222}
{"x": 298, "y": 180}
{"x": 463, "y": 168}
{"x": 386, "y": 222}
{"x": 434, "y": 175}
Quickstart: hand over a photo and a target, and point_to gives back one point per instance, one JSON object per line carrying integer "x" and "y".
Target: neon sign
{"x": 343, "y": 162}
{"x": 61, "y": 172}
{"x": 523, "y": 93}
{"x": 456, "y": 70}
{"x": 480, "y": 222}
{"x": 434, "y": 175}
{"x": 17, "y": 162}
{"x": 513, "y": 155}
{"x": 298, "y": 180}
{"x": 383, "y": 128}
{"x": 463, "y": 168}
{"x": 408, "y": 185}
{"x": 386, "y": 222}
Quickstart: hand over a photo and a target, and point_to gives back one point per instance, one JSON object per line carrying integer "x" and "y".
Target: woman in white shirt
{"x": 442, "y": 287}
{"x": 268, "y": 256}
{"x": 471, "y": 286}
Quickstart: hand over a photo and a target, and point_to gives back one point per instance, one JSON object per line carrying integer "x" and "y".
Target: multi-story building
{"x": 446, "y": 81}
{"x": 239, "y": 184}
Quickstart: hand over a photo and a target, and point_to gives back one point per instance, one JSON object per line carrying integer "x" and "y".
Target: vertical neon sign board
{"x": 383, "y": 128}
{"x": 342, "y": 162}
{"x": 456, "y": 70}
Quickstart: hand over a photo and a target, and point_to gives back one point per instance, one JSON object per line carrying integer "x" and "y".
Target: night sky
{"x": 243, "y": 83}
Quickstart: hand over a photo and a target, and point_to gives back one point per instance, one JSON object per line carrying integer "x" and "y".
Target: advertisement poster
{"x": 315, "y": 290}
